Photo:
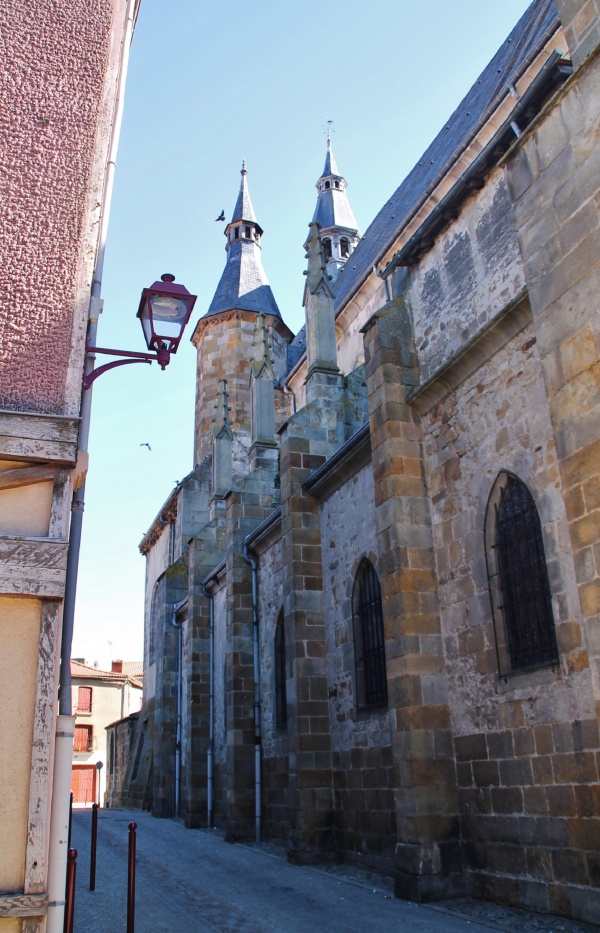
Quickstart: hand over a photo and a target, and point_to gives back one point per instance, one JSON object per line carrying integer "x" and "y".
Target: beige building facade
{"x": 99, "y": 699}
{"x": 60, "y": 75}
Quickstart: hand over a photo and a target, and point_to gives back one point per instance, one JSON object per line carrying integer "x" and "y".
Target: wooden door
{"x": 83, "y": 784}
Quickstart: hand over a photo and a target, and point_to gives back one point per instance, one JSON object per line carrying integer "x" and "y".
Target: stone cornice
{"x": 238, "y": 315}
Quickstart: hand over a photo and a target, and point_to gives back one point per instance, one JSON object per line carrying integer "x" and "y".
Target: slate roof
{"x": 243, "y": 209}
{"x": 532, "y": 31}
{"x": 244, "y": 284}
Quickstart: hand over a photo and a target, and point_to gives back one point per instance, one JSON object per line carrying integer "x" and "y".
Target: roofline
{"x": 453, "y": 158}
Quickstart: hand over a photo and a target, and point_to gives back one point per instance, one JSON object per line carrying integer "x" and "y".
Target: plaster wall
{"x": 26, "y": 509}
{"x": 19, "y": 636}
{"x": 473, "y": 271}
{"x": 60, "y": 63}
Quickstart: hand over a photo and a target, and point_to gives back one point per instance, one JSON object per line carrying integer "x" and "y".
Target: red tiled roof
{"x": 83, "y": 670}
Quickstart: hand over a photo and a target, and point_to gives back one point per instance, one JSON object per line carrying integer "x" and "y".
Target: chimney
{"x": 117, "y": 667}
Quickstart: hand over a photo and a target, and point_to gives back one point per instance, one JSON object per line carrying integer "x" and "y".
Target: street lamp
{"x": 164, "y": 311}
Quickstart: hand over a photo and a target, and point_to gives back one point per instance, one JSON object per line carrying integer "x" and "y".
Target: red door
{"x": 83, "y": 784}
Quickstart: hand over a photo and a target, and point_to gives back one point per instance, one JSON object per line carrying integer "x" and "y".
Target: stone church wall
{"x": 469, "y": 276}
{"x": 361, "y": 742}
{"x": 525, "y": 746}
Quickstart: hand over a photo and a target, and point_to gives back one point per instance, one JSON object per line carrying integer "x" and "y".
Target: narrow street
{"x": 194, "y": 881}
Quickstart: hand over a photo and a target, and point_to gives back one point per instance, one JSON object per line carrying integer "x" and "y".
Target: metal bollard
{"x": 70, "y": 819}
{"x": 131, "y": 879}
{"x": 93, "y": 851}
{"x": 70, "y": 894}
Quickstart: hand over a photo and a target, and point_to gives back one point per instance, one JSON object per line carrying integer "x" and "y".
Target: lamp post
{"x": 164, "y": 311}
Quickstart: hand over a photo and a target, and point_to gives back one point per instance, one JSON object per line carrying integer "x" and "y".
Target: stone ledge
{"x": 477, "y": 351}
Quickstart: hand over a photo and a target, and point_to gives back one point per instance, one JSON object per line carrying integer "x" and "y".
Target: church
{"x": 371, "y": 617}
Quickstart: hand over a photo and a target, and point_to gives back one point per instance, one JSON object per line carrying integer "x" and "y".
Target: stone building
{"x": 372, "y": 605}
{"x": 60, "y": 75}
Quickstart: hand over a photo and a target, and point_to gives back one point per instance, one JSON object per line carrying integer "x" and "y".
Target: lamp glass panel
{"x": 146, "y": 323}
{"x": 168, "y": 315}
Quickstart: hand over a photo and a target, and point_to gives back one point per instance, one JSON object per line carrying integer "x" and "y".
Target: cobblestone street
{"x": 192, "y": 880}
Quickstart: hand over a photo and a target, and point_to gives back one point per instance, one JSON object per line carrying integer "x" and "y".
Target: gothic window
{"x": 519, "y": 587}
{"x": 369, "y": 647}
{"x": 344, "y": 247}
{"x": 280, "y": 677}
{"x": 327, "y": 248}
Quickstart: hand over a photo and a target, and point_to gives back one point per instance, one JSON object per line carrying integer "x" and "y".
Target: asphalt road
{"x": 193, "y": 881}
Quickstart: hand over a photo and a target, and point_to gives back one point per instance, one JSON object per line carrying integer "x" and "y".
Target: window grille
{"x": 369, "y": 647}
{"x": 83, "y": 740}
{"x": 280, "y": 675}
{"x": 84, "y": 700}
{"x": 519, "y": 579}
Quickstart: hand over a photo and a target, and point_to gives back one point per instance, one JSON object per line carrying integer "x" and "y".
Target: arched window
{"x": 519, "y": 587}
{"x": 327, "y": 184}
{"x": 280, "y": 677}
{"x": 344, "y": 247}
{"x": 369, "y": 647}
{"x": 327, "y": 248}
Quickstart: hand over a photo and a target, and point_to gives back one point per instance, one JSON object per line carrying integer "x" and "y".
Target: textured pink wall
{"x": 54, "y": 58}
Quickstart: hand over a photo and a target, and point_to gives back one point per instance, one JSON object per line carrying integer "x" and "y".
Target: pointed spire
{"x": 330, "y": 163}
{"x": 339, "y": 230}
{"x": 221, "y": 421}
{"x": 243, "y": 208}
{"x": 244, "y": 285}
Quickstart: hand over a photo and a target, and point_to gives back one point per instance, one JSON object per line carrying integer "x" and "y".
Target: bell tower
{"x": 225, "y": 336}
{"x": 339, "y": 230}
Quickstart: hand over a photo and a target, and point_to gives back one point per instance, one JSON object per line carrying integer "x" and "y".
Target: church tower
{"x": 339, "y": 230}
{"x": 225, "y": 336}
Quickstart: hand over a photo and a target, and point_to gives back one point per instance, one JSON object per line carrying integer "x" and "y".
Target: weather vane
{"x": 327, "y": 129}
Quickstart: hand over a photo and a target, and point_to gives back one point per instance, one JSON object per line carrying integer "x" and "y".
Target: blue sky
{"x": 210, "y": 84}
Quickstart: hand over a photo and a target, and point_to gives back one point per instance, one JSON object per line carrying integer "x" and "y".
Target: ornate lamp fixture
{"x": 164, "y": 311}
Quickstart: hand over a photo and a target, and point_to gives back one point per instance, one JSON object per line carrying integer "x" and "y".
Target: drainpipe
{"x": 257, "y": 733}
{"x": 211, "y": 707}
{"x": 63, "y": 752}
{"x": 179, "y": 626}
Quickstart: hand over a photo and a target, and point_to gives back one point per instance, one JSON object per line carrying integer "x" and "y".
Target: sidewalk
{"x": 193, "y": 881}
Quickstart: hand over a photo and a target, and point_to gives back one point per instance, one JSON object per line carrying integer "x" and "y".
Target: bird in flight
{"x": 146, "y": 445}
{"x": 221, "y": 216}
